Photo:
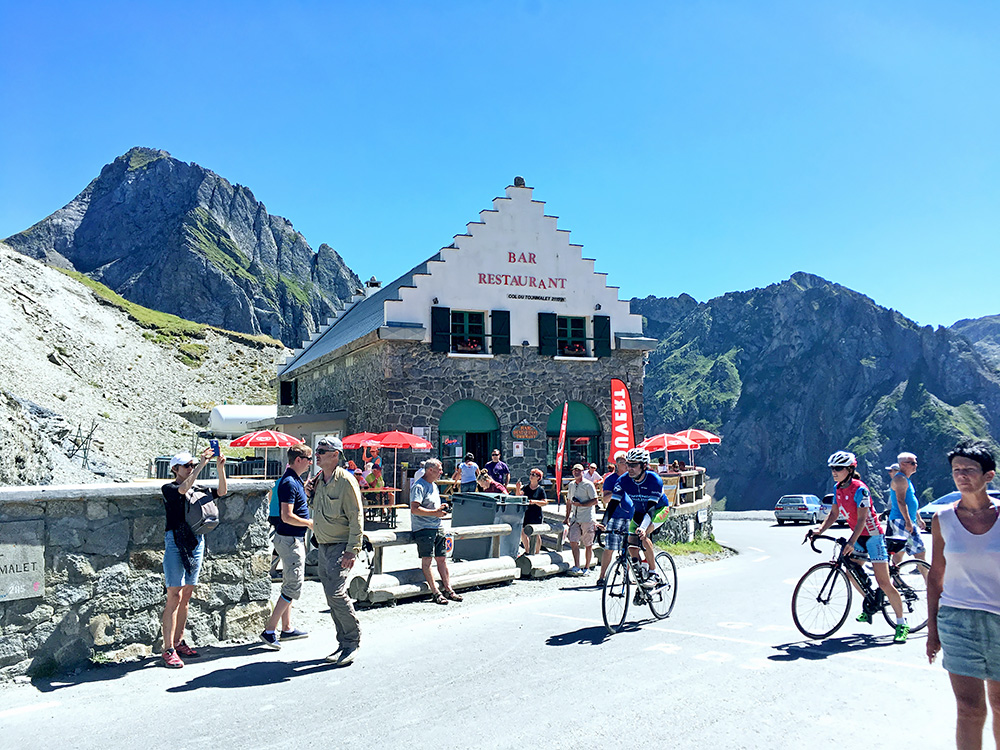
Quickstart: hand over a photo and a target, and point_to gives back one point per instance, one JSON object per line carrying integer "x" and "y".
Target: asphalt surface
{"x": 530, "y": 664}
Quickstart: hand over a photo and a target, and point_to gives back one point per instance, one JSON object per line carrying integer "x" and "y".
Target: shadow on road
{"x": 255, "y": 675}
{"x": 593, "y": 635}
{"x": 830, "y": 647}
{"x": 105, "y": 672}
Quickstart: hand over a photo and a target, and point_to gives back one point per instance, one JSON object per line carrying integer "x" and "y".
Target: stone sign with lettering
{"x": 22, "y": 560}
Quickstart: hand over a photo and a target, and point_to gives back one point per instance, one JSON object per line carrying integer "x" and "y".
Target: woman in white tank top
{"x": 963, "y": 594}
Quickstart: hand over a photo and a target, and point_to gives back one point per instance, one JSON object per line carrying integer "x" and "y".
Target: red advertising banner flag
{"x": 560, "y": 451}
{"x": 622, "y": 431}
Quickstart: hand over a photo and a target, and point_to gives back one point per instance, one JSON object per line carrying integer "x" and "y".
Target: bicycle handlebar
{"x": 812, "y": 541}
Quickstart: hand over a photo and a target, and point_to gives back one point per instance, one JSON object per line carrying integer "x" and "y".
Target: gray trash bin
{"x": 481, "y": 509}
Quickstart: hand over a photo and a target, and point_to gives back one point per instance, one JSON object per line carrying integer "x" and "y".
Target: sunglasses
{"x": 633, "y": 463}
{"x": 838, "y": 468}
{"x": 189, "y": 466}
{"x": 322, "y": 452}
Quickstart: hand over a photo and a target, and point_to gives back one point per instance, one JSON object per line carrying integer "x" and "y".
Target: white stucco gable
{"x": 516, "y": 259}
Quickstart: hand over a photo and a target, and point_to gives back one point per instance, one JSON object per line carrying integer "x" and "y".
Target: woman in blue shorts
{"x": 183, "y": 550}
{"x": 963, "y": 594}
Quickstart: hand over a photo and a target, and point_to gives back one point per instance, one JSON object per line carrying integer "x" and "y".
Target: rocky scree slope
{"x": 68, "y": 360}
{"x": 791, "y": 372}
{"x": 179, "y": 238}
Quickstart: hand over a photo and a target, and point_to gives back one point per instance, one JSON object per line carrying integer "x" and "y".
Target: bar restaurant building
{"x": 476, "y": 348}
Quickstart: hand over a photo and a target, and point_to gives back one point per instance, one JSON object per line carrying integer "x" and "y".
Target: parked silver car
{"x": 797, "y": 508}
{"x": 928, "y": 511}
{"x": 828, "y": 507}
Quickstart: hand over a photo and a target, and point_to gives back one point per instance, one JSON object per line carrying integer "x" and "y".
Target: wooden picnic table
{"x": 376, "y": 505}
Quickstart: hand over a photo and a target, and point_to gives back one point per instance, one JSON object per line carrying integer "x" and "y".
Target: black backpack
{"x": 201, "y": 512}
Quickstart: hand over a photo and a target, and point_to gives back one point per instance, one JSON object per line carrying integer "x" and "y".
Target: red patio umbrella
{"x": 396, "y": 440}
{"x": 360, "y": 440}
{"x": 667, "y": 441}
{"x": 264, "y": 439}
{"x": 702, "y": 437}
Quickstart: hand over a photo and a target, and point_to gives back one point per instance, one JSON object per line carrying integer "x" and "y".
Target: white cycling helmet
{"x": 842, "y": 460}
{"x": 637, "y": 456}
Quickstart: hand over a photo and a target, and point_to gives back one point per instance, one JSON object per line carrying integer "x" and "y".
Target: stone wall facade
{"x": 399, "y": 385}
{"x": 104, "y": 587}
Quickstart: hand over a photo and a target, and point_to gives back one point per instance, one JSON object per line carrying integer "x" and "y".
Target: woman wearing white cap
{"x": 183, "y": 549}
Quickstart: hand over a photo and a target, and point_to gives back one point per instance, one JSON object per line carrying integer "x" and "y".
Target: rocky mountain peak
{"x": 793, "y": 371}
{"x": 177, "y": 237}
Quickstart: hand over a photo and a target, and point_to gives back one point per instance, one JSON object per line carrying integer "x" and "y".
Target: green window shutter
{"x": 602, "y": 336}
{"x": 500, "y": 331}
{"x": 547, "y": 339}
{"x": 440, "y": 329}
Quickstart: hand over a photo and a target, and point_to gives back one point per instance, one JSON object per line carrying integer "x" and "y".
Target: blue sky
{"x": 698, "y": 147}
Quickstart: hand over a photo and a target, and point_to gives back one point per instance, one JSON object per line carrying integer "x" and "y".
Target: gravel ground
{"x": 68, "y": 361}
{"x": 311, "y": 611}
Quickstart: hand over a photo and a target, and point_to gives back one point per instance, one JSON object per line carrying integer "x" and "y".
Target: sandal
{"x": 450, "y": 594}
{"x": 438, "y": 598}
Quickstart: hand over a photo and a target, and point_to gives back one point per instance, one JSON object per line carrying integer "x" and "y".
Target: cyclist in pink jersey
{"x": 867, "y": 536}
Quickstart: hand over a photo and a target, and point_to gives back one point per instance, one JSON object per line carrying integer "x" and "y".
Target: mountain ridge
{"x": 148, "y": 220}
{"x": 790, "y": 372}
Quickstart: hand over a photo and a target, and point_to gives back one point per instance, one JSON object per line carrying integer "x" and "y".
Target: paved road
{"x": 530, "y": 665}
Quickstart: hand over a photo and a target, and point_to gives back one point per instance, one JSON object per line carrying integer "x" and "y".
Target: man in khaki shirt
{"x": 335, "y": 505}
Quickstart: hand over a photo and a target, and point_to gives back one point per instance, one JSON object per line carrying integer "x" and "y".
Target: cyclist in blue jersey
{"x": 636, "y": 500}
{"x": 854, "y": 498}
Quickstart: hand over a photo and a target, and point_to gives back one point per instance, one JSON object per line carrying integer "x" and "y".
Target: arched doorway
{"x": 467, "y": 426}
{"x": 583, "y": 437}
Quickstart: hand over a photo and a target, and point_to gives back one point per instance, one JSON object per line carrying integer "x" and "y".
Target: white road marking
{"x": 735, "y": 625}
{"x": 755, "y": 549}
{"x": 762, "y": 558}
{"x": 27, "y": 709}
{"x": 729, "y": 639}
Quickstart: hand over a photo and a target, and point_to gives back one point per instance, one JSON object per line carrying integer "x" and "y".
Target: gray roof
{"x": 364, "y": 317}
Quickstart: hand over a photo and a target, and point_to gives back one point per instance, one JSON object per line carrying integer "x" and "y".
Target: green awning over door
{"x": 468, "y": 415}
{"x": 580, "y": 422}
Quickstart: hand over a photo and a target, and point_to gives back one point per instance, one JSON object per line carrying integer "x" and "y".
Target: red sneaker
{"x": 186, "y": 651}
{"x": 171, "y": 659}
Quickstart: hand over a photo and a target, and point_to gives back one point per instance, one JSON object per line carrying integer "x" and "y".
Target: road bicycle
{"x": 822, "y": 597}
{"x": 626, "y": 573}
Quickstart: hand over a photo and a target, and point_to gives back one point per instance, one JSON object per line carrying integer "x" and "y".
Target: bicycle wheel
{"x": 821, "y": 600}
{"x": 614, "y": 600}
{"x": 661, "y": 598}
{"x": 911, "y": 583}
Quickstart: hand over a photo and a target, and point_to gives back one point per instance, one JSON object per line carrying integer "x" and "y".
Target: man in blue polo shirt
{"x": 607, "y": 491}
{"x": 289, "y": 542}
{"x": 637, "y": 499}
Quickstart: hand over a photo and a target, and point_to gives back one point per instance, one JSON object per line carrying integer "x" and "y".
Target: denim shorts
{"x": 970, "y": 642}
{"x": 173, "y": 566}
{"x": 874, "y": 547}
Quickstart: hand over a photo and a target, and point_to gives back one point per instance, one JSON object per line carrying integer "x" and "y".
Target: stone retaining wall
{"x": 682, "y": 525}
{"x": 103, "y": 580}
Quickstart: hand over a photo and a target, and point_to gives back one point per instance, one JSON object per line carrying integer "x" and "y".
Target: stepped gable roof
{"x": 357, "y": 320}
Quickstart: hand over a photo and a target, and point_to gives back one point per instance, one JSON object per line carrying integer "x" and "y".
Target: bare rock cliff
{"x": 178, "y": 238}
